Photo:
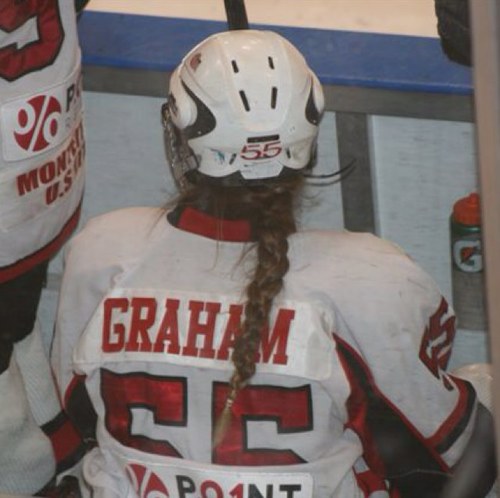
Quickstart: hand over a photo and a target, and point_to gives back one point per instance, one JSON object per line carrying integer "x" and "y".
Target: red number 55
{"x": 262, "y": 150}
{"x": 166, "y": 399}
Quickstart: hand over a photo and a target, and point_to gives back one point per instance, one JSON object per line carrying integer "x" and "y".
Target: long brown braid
{"x": 270, "y": 210}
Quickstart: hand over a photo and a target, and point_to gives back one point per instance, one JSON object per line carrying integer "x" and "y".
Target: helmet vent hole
{"x": 244, "y": 99}
{"x": 270, "y": 62}
{"x": 288, "y": 153}
{"x": 274, "y": 97}
{"x": 236, "y": 69}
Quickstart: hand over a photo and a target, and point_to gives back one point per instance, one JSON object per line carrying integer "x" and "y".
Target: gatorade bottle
{"x": 467, "y": 263}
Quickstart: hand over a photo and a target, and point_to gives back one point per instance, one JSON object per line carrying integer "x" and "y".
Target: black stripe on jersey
{"x": 447, "y": 442}
{"x": 392, "y": 445}
{"x": 19, "y": 300}
{"x": 80, "y": 409}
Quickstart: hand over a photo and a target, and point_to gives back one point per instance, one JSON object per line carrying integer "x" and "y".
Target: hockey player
{"x": 41, "y": 184}
{"x": 224, "y": 353}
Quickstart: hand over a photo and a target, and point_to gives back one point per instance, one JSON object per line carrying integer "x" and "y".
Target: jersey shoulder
{"x": 362, "y": 263}
{"x": 114, "y": 236}
{"x": 358, "y": 248}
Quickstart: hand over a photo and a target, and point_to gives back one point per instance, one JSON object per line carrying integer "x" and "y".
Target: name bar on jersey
{"x": 197, "y": 329}
{"x": 148, "y": 325}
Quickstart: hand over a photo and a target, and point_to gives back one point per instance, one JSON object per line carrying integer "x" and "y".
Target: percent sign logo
{"x": 38, "y": 123}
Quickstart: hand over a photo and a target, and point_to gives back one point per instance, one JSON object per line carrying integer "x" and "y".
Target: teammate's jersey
{"x": 37, "y": 440}
{"x": 41, "y": 136}
{"x": 351, "y": 364}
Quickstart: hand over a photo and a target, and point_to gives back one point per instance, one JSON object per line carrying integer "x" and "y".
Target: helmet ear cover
{"x": 315, "y": 104}
{"x": 182, "y": 108}
{"x": 204, "y": 121}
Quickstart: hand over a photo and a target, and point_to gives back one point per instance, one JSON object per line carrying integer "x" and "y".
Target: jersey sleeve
{"x": 407, "y": 410}
{"x": 93, "y": 260}
{"x": 75, "y": 307}
{"x": 85, "y": 279}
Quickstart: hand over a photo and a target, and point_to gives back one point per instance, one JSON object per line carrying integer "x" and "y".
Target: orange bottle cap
{"x": 468, "y": 210}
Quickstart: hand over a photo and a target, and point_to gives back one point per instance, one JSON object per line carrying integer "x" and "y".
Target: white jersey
{"x": 37, "y": 440}
{"x": 357, "y": 341}
{"x": 41, "y": 136}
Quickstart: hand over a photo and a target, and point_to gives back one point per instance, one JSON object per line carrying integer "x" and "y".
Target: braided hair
{"x": 270, "y": 209}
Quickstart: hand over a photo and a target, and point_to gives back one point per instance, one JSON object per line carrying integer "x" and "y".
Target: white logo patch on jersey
{"x": 199, "y": 330}
{"x": 36, "y": 123}
{"x": 185, "y": 482}
{"x": 44, "y": 132}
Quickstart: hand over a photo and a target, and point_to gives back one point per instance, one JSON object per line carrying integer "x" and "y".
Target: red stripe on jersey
{"x": 65, "y": 440}
{"x": 379, "y": 423}
{"x": 23, "y": 265}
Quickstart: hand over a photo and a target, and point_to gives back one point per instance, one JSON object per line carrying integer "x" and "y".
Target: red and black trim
{"x": 393, "y": 447}
{"x": 454, "y": 425}
{"x": 80, "y": 410}
{"x": 200, "y": 223}
{"x": 369, "y": 482}
{"x": 66, "y": 442}
{"x": 24, "y": 265}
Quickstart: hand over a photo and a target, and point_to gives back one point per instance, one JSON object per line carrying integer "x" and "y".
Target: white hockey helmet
{"x": 243, "y": 105}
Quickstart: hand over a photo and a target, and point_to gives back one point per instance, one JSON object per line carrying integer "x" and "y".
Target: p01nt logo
{"x": 217, "y": 484}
